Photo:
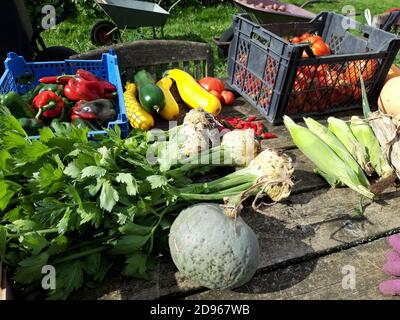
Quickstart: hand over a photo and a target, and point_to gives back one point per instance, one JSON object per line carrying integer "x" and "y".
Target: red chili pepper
{"x": 48, "y": 103}
{"x": 247, "y": 125}
{"x": 81, "y": 89}
{"x": 239, "y": 126}
{"x": 258, "y": 133}
{"x": 269, "y": 135}
{"x": 56, "y": 79}
{"x": 252, "y": 118}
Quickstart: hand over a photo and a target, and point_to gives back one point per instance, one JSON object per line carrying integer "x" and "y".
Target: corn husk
{"x": 342, "y": 131}
{"x": 386, "y": 130}
{"x": 332, "y": 141}
{"x": 365, "y": 135}
{"x": 327, "y": 161}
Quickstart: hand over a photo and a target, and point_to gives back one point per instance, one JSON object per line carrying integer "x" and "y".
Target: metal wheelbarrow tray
{"x": 131, "y": 14}
{"x": 262, "y": 15}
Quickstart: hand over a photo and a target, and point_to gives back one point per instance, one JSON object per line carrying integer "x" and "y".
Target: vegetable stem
{"x": 81, "y": 254}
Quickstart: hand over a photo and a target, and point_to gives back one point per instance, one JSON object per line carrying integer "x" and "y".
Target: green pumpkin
{"x": 212, "y": 249}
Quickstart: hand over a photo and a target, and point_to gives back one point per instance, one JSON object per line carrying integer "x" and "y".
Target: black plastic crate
{"x": 269, "y": 71}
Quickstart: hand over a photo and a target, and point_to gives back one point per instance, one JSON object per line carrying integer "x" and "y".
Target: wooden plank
{"x": 318, "y": 278}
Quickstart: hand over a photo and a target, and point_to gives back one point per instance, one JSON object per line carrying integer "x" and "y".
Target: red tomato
{"x": 217, "y": 94}
{"x": 320, "y": 48}
{"x": 227, "y": 97}
{"x": 296, "y": 40}
{"x": 212, "y": 84}
{"x": 314, "y": 39}
{"x": 305, "y": 36}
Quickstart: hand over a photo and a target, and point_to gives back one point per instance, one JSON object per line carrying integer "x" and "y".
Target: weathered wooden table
{"x": 312, "y": 246}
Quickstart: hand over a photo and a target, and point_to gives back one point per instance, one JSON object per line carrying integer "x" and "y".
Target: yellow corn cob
{"x": 364, "y": 135}
{"x": 137, "y": 116}
{"x": 334, "y": 143}
{"x": 328, "y": 162}
{"x": 342, "y": 131}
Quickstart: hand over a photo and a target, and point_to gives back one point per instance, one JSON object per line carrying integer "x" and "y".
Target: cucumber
{"x": 150, "y": 95}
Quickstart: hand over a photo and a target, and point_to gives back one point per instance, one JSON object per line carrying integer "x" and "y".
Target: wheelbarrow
{"x": 266, "y": 12}
{"x": 128, "y": 14}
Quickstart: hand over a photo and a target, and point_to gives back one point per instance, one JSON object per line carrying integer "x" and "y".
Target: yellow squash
{"x": 193, "y": 94}
{"x": 171, "y": 109}
{"x": 137, "y": 116}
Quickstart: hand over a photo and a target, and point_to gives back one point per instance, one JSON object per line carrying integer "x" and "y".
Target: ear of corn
{"x": 364, "y": 134}
{"x": 342, "y": 131}
{"x": 137, "y": 116}
{"x": 326, "y": 160}
{"x": 334, "y": 143}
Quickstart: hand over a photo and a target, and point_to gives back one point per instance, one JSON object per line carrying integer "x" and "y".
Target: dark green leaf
{"x": 14, "y": 214}
{"x": 34, "y": 242}
{"x": 69, "y": 276}
{"x": 130, "y": 243}
{"x": 92, "y": 263}
{"x": 50, "y": 211}
{"x": 135, "y": 229}
{"x": 137, "y": 266}
{"x": 58, "y": 245}
{"x": 30, "y": 269}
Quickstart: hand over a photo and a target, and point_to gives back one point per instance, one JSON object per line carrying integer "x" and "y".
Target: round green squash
{"x": 212, "y": 249}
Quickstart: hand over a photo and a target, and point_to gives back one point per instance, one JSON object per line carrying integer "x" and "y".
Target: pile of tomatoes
{"x": 317, "y": 44}
{"x": 317, "y": 87}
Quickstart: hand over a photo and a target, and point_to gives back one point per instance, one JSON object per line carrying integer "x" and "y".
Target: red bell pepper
{"x": 81, "y": 89}
{"x": 48, "y": 103}
{"x": 108, "y": 87}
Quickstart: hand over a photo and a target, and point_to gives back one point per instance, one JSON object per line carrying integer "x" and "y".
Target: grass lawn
{"x": 193, "y": 23}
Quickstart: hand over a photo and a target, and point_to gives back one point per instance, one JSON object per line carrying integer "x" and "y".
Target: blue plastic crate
{"x": 21, "y": 76}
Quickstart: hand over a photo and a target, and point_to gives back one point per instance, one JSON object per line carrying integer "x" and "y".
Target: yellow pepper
{"x": 193, "y": 94}
{"x": 171, "y": 109}
{"x": 137, "y": 116}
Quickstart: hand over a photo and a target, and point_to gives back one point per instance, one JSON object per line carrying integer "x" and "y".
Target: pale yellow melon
{"x": 389, "y": 100}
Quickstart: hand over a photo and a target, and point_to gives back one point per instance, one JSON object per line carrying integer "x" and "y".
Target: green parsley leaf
{"x": 30, "y": 268}
{"x": 69, "y": 276}
{"x": 137, "y": 265}
{"x": 73, "y": 170}
{"x": 108, "y": 196}
{"x": 130, "y": 181}
{"x": 33, "y": 242}
{"x": 130, "y": 243}
{"x": 93, "y": 171}
{"x": 132, "y": 229}
{"x": 7, "y": 191}
{"x": 92, "y": 263}
{"x": 157, "y": 181}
